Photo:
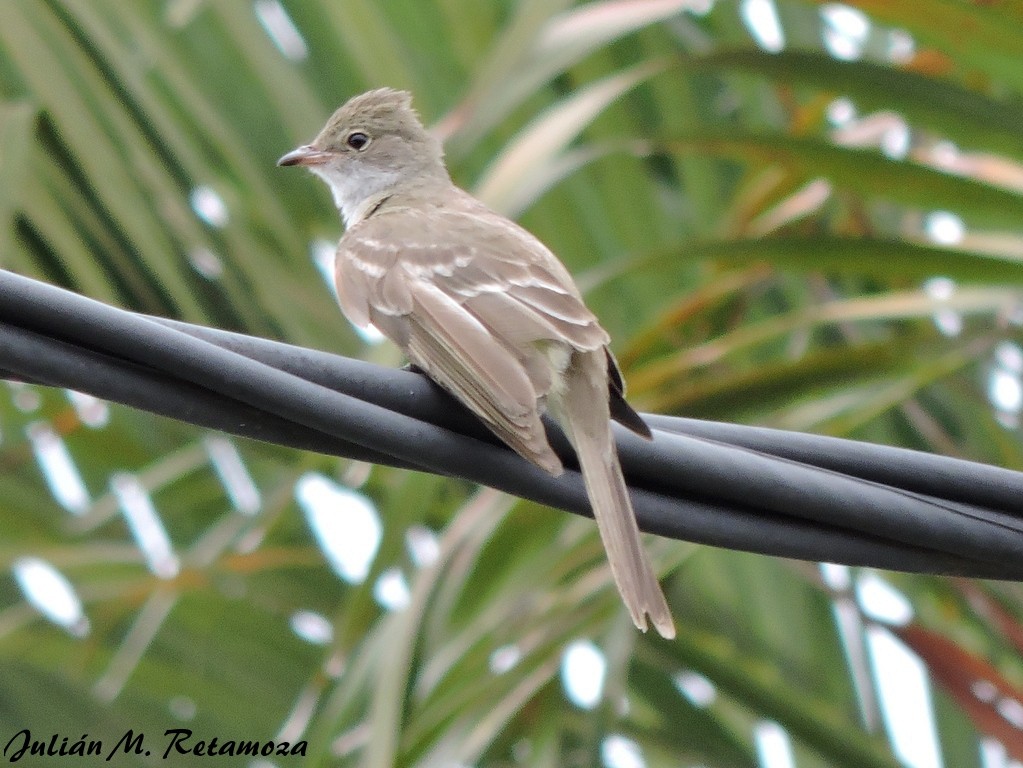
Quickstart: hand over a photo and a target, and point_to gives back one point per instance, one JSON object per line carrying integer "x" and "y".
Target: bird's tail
{"x": 584, "y": 412}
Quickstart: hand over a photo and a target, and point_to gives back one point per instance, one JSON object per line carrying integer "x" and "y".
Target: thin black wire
{"x": 767, "y": 491}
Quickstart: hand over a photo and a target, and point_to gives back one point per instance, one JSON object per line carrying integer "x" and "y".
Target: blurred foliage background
{"x": 789, "y": 213}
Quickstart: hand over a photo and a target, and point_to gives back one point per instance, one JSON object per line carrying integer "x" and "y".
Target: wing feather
{"x": 461, "y": 355}
{"x": 473, "y": 345}
{"x": 479, "y": 314}
{"x": 353, "y": 287}
{"x": 395, "y": 291}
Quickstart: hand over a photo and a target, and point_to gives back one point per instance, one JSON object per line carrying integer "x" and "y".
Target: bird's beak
{"x": 305, "y": 155}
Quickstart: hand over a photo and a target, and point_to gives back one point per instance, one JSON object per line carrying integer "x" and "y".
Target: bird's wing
{"x": 477, "y": 303}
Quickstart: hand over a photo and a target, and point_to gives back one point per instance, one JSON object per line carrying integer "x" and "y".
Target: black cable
{"x": 730, "y": 486}
{"x": 709, "y": 469}
{"x": 50, "y": 362}
{"x": 900, "y": 467}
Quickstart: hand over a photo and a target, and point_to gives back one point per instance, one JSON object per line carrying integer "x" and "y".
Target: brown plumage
{"x": 483, "y": 308}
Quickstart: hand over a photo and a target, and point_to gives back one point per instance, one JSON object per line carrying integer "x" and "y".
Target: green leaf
{"x": 909, "y": 183}
{"x": 17, "y": 120}
{"x": 540, "y": 45}
{"x": 522, "y": 172}
{"x": 900, "y": 259}
{"x": 965, "y": 115}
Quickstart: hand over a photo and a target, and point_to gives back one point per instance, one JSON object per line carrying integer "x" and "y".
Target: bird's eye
{"x": 357, "y": 140}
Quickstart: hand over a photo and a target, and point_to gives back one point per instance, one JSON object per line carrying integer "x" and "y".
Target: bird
{"x": 482, "y": 307}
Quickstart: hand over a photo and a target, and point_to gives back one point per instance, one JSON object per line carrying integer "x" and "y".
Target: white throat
{"x": 357, "y": 189}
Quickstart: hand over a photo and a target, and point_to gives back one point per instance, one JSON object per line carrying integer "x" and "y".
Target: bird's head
{"x": 372, "y": 145}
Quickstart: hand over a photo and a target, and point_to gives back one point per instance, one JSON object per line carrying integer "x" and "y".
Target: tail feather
{"x": 585, "y": 416}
